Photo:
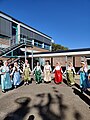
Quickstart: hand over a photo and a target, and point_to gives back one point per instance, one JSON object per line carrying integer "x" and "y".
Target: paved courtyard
{"x": 45, "y": 102}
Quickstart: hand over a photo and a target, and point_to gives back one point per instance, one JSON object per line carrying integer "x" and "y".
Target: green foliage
{"x": 56, "y": 47}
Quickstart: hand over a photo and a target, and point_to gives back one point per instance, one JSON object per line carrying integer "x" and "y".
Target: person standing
{"x": 16, "y": 75}
{"x": 47, "y": 72}
{"x": 26, "y": 64}
{"x": 27, "y": 72}
{"x": 37, "y": 70}
{"x": 5, "y": 77}
{"x": 70, "y": 72}
{"x": 58, "y": 73}
{"x": 83, "y": 77}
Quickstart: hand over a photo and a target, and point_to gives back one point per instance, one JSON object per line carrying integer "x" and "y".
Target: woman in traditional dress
{"x": 26, "y": 72}
{"x": 47, "y": 72}
{"x": 5, "y": 77}
{"x": 26, "y": 64}
{"x": 70, "y": 72}
{"x": 37, "y": 70}
{"x": 58, "y": 73}
{"x": 83, "y": 77}
{"x": 16, "y": 75}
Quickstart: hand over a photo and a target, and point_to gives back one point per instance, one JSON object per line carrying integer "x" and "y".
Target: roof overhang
{"x": 48, "y": 54}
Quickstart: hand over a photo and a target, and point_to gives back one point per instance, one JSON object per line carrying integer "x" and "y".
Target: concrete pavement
{"x": 45, "y": 102}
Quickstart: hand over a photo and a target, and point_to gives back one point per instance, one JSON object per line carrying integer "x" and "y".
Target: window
{"x": 47, "y": 47}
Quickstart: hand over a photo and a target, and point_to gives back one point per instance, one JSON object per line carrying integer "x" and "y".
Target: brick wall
{"x": 77, "y": 61}
{"x": 62, "y": 60}
{"x": 4, "y": 58}
{"x": 37, "y": 49}
{"x": 4, "y": 42}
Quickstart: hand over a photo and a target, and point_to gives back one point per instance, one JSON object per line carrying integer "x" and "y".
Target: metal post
{"x": 25, "y": 53}
{"x": 40, "y": 61}
{"x": 25, "y": 50}
{"x": 32, "y": 57}
{"x": 66, "y": 62}
{"x": 66, "y": 67}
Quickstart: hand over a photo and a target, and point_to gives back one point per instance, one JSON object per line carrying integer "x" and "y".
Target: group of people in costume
{"x": 84, "y": 73}
{"x": 12, "y": 76}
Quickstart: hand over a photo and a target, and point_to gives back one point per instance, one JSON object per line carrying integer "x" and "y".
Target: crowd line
{"x": 11, "y": 76}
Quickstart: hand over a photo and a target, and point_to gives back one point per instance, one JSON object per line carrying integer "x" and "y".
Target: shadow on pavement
{"x": 87, "y": 91}
{"x": 82, "y": 96}
{"x": 77, "y": 86}
{"x": 31, "y": 117}
{"x": 45, "y": 110}
{"x": 77, "y": 115}
{"x": 65, "y": 81}
{"x": 55, "y": 90}
{"x": 21, "y": 112}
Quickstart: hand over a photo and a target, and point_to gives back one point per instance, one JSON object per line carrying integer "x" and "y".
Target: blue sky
{"x": 66, "y": 21}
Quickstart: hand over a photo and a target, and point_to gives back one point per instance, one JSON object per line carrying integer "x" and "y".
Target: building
{"x": 65, "y": 56}
{"x": 14, "y": 32}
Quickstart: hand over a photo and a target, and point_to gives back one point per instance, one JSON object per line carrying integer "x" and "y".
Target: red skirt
{"x": 58, "y": 76}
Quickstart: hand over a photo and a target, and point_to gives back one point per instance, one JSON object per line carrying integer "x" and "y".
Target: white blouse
{"x": 47, "y": 68}
{"x": 57, "y": 68}
{"x": 4, "y": 69}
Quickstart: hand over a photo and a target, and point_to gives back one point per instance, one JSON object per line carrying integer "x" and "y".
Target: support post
{"x": 19, "y": 33}
{"x": 66, "y": 62}
{"x": 25, "y": 53}
{"x": 25, "y": 50}
{"x": 32, "y": 57}
{"x": 66, "y": 67}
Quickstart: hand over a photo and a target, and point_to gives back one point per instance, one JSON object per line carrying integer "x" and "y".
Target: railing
{"x": 11, "y": 61}
{"x": 14, "y": 45}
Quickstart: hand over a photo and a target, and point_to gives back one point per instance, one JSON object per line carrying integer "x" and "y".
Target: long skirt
{"x": 58, "y": 76}
{"x": 38, "y": 77}
{"x": 83, "y": 80}
{"x": 16, "y": 78}
{"x": 5, "y": 81}
{"x": 47, "y": 76}
{"x": 88, "y": 80}
{"x": 27, "y": 75}
{"x": 70, "y": 77}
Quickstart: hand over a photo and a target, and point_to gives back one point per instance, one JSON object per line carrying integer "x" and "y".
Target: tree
{"x": 56, "y": 47}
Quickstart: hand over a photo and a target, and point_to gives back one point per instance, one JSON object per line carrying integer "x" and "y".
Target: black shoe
{"x": 3, "y": 91}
